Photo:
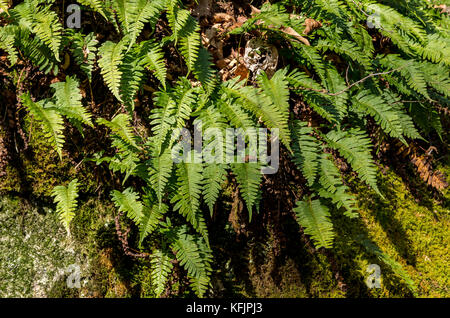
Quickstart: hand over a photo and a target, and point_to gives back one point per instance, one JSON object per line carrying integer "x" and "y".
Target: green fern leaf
{"x": 161, "y": 264}
{"x": 120, "y": 125}
{"x": 66, "y": 202}
{"x": 354, "y": 146}
{"x": 306, "y": 151}
{"x": 68, "y": 101}
{"x": 187, "y": 196}
{"x": 128, "y": 202}
{"x": 214, "y": 176}
{"x": 111, "y": 58}
{"x": 248, "y": 176}
{"x": 315, "y": 219}
{"x": 51, "y": 122}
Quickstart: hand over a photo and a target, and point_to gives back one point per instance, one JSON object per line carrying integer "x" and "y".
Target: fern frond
{"x": 276, "y": 89}
{"x": 195, "y": 257}
{"x": 120, "y": 125}
{"x": 203, "y": 70}
{"x": 111, "y": 56}
{"x": 331, "y": 187}
{"x": 347, "y": 48}
{"x": 354, "y": 146}
{"x": 409, "y": 70}
{"x": 190, "y": 42}
{"x": 255, "y": 101}
{"x": 132, "y": 69}
{"x": 47, "y": 27}
{"x": 248, "y": 176}
{"x": 68, "y": 101}
{"x": 66, "y": 202}
{"x": 384, "y": 115}
{"x": 150, "y": 219}
{"x": 128, "y": 202}
{"x": 96, "y": 5}
{"x": 4, "y": 5}
{"x": 185, "y": 97}
{"x": 35, "y": 50}
{"x": 214, "y": 175}
{"x": 160, "y": 170}
{"x": 51, "y": 122}
{"x": 84, "y": 50}
{"x": 162, "y": 119}
{"x": 187, "y": 197}
{"x": 161, "y": 264}
{"x": 306, "y": 151}
{"x": 7, "y": 39}
{"x": 315, "y": 219}
{"x": 154, "y": 61}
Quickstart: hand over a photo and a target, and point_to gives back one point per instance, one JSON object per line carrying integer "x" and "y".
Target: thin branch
{"x": 323, "y": 91}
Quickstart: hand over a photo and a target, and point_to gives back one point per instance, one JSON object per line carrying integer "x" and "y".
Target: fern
{"x": 306, "y": 151}
{"x": 7, "y": 39}
{"x": 408, "y": 69}
{"x": 48, "y": 28}
{"x": 331, "y": 187}
{"x": 150, "y": 220}
{"x": 111, "y": 58}
{"x": 161, "y": 268}
{"x": 35, "y": 50}
{"x": 4, "y": 5}
{"x": 341, "y": 73}
{"x": 120, "y": 125}
{"x": 154, "y": 61}
{"x": 52, "y": 123}
{"x": 128, "y": 202}
{"x": 160, "y": 169}
{"x": 248, "y": 176}
{"x": 66, "y": 202}
{"x": 387, "y": 117}
{"x": 68, "y": 101}
{"x": 195, "y": 257}
{"x": 315, "y": 219}
{"x": 96, "y": 5}
{"x": 162, "y": 119}
{"x": 355, "y": 147}
{"x": 187, "y": 198}
{"x": 214, "y": 176}
{"x": 84, "y": 50}
{"x": 190, "y": 42}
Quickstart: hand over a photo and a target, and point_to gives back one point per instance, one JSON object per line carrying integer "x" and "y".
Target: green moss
{"x": 43, "y": 169}
{"x": 412, "y": 231}
{"x": 35, "y": 250}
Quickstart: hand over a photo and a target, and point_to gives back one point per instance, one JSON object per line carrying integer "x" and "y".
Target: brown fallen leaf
{"x": 311, "y": 25}
{"x": 242, "y": 71}
{"x": 443, "y": 7}
{"x": 290, "y": 31}
{"x": 223, "y": 17}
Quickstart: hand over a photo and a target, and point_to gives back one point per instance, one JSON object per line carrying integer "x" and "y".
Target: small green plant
{"x": 66, "y": 202}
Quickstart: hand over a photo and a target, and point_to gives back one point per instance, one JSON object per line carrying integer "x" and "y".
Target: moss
{"x": 43, "y": 169}
{"x": 35, "y": 250}
{"x": 413, "y": 231}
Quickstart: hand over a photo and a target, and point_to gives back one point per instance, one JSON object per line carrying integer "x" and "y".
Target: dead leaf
{"x": 290, "y": 31}
{"x": 242, "y": 71}
{"x": 223, "y": 17}
{"x": 311, "y": 25}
